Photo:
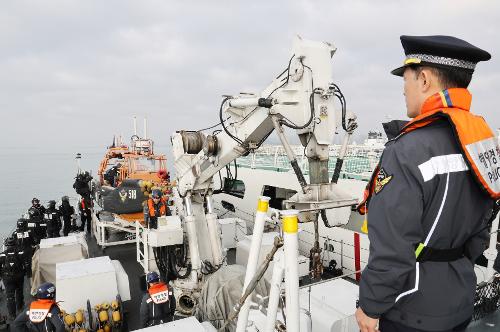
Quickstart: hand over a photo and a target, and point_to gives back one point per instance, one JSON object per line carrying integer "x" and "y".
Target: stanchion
{"x": 291, "y": 253}
{"x": 253, "y": 258}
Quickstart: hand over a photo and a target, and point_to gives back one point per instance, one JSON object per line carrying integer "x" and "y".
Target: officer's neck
{"x": 431, "y": 91}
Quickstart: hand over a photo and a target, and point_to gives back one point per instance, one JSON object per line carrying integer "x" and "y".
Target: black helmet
{"x": 10, "y": 242}
{"x": 52, "y": 204}
{"x": 65, "y": 199}
{"x": 35, "y": 201}
{"x": 152, "y": 277}
{"x": 47, "y": 290}
{"x": 156, "y": 193}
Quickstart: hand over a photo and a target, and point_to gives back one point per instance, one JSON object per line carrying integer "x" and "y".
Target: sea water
{"x": 45, "y": 173}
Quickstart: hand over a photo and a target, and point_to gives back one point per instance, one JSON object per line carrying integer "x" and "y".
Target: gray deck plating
{"x": 126, "y": 254}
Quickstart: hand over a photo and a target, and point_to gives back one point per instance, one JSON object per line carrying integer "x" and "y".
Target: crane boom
{"x": 300, "y": 98}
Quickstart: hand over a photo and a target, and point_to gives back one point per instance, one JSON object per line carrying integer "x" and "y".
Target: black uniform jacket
{"x": 153, "y": 314}
{"x": 53, "y": 322}
{"x": 13, "y": 263}
{"x": 424, "y": 194}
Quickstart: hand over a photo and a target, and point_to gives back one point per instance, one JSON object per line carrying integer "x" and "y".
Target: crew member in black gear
{"x": 82, "y": 184}
{"x": 85, "y": 214}
{"x": 111, "y": 175}
{"x": 67, "y": 212}
{"x": 25, "y": 242}
{"x": 13, "y": 269}
{"x": 43, "y": 315}
{"x": 53, "y": 219}
{"x": 158, "y": 304}
{"x": 36, "y": 211}
{"x": 36, "y": 214}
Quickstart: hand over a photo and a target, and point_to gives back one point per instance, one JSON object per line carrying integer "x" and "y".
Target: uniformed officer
{"x": 36, "y": 210}
{"x": 36, "y": 216}
{"x": 13, "y": 269}
{"x": 85, "y": 214}
{"x": 43, "y": 315}
{"x": 431, "y": 197}
{"x": 67, "y": 212}
{"x": 25, "y": 241}
{"x": 53, "y": 220}
{"x": 155, "y": 207}
{"x": 158, "y": 304}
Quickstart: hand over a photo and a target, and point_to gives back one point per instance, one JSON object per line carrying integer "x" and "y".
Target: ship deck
{"x": 126, "y": 254}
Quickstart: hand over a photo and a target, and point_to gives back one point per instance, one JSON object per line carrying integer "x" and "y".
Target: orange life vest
{"x": 39, "y": 310}
{"x": 163, "y": 207}
{"x": 476, "y": 141}
{"x": 158, "y": 293}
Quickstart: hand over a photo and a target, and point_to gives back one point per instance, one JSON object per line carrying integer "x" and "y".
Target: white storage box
{"x": 169, "y": 232}
{"x": 332, "y": 305}
{"x": 69, "y": 240}
{"x": 53, "y": 251}
{"x": 122, "y": 280}
{"x": 189, "y": 324}
{"x": 94, "y": 279}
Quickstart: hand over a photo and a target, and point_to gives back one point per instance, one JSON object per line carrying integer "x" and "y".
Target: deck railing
{"x": 359, "y": 162}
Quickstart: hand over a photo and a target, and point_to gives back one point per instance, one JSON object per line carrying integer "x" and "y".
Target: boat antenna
{"x": 145, "y": 128}
{"x": 78, "y": 166}
{"x": 135, "y": 125}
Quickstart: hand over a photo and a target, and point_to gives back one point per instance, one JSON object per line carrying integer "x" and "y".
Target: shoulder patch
{"x": 382, "y": 180}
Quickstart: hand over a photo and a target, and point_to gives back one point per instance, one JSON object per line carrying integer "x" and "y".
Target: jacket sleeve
{"x": 146, "y": 213}
{"x": 478, "y": 243}
{"x": 144, "y": 312}
{"x": 2, "y": 262}
{"x": 27, "y": 263}
{"x": 394, "y": 228}
{"x": 20, "y": 323}
{"x": 21, "y": 259}
{"x": 56, "y": 320}
{"x": 172, "y": 303}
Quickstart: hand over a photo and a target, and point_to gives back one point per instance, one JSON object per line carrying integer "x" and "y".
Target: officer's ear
{"x": 427, "y": 80}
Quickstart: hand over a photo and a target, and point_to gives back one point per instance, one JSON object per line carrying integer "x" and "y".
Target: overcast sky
{"x": 72, "y": 72}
